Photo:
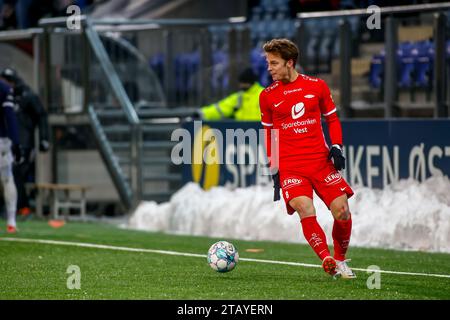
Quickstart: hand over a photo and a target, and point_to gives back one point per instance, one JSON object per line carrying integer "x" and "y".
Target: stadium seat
{"x": 254, "y": 24}
{"x": 376, "y": 73}
{"x": 313, "y": 29}
{"x": 157, "y": 64}
{"x": 219, "y": 76}
{"x": 277, "y": 25}
{"x": 256, "y": 13}
{"x": 327, "y": 43}
{"x": 259, "y": 66}
{"x": 192, "y": 70}
{"x": 347, "y": 4}
{"x": 268, "y": 5}
{"x": 406, "y": 60}
{"x": 424, "y": 63}
{"x": 290, "y": 28}
{"x": 180, "y": 74}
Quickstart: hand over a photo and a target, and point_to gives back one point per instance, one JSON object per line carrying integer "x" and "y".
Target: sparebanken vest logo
{"x": 298, "y": 110}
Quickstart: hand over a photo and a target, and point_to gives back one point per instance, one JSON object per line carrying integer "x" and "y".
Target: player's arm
{"x": 270, "y": 142}
{"x": 267, "y": 123}
{"x": 329, "y": 112}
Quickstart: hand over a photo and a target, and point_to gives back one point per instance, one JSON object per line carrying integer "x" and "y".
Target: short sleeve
{"x": 266, "y": 112}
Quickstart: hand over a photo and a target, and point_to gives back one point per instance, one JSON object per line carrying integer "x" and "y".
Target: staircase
{"x": 157, "y": 178}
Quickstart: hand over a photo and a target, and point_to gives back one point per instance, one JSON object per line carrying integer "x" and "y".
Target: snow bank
{"x": 408, "y": 215}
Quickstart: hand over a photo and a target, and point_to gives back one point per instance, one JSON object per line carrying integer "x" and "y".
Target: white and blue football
{"x": 223, "y": 256}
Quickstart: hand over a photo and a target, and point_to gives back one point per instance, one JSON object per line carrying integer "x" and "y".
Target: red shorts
{"x": 323, "y": 178}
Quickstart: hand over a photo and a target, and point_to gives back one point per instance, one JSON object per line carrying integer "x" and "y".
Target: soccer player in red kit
{"x": 293, "y": 105}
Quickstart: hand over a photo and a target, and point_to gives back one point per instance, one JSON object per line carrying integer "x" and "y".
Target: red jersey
{"x": 295, "y": 109}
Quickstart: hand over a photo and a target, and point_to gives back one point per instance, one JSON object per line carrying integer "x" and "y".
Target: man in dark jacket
{"x": 9, "y": 151}
{"x": 30, "y": 114}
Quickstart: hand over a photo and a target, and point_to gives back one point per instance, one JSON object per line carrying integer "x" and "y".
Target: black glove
{"x": 17, "y": 153}
{"x": 276, "y": 186}
{"x": 44, "y": 145}
{"x": 338, "y": 158}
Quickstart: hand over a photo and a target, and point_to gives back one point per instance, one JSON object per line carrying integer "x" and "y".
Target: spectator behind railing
{"x": 241, "y": 106}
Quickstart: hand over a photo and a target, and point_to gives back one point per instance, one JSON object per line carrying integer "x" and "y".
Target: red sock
{"x": 342, "y": 230}
{"x": 315, "y": 236}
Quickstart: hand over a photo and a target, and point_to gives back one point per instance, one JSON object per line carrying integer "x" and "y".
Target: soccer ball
{"x": 223, "y": 256}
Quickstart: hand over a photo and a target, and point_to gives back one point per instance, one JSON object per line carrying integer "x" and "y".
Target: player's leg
{"x": 298, "y": 194}
{"x": 342, "y": 229}
{"x": 9, "y": 188}
{"x": 342, "y": 226}
{"x": 10, "y": 196}
{"x": 21, "y": 172}
{"x": 313, "y": 232}
{"x": 334, "y": 191}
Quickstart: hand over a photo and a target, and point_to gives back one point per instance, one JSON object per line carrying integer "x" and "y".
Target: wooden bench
{"x": 60, "y": 198}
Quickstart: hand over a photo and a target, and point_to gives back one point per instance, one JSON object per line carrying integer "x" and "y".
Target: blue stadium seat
{"x": 271, "y": 30}
{"x": 219, "y": 76}
{"x": 347, "y": 4}
{"x": 376, "y": 73}
{"x": 354, "y": 24}
{"x": 327, "y": 42}
{"x": 424, "y": 63}
{"x": 406, "y": 61}
{"x": 289, "y": 28}
{"x": 256, "y": 13}
{"x": 216, "y": 39}
{"x": 282, "y": 6}
{"x": 157, "y": 64}
{"x": 314, "y": 31}
{"x": 180, "y": 74}
{"x": 267, "y": 5}
{"x": 259, "y": 66}
{"x": 192, "y": 69}
{"x": 281, "y": 3}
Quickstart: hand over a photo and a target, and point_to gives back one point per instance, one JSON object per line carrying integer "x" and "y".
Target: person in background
{"x": 242, "y": 105}
{"x": 9, "y": 147}
{"x": 30, "y": 114}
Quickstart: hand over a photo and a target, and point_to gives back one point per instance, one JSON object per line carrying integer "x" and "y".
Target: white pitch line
{"x": 176, "y": 253}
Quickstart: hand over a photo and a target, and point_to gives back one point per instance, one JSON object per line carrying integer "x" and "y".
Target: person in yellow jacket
{"x": 242, "y": 105}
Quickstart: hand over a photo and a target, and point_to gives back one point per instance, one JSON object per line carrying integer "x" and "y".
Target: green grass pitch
{"x": 39, "y": 271}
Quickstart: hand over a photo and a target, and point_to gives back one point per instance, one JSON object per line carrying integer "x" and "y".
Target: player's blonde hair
{"x": 285, "y": 48}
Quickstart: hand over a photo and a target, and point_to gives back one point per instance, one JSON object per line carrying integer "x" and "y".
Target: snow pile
{"x": 408, "y": 215}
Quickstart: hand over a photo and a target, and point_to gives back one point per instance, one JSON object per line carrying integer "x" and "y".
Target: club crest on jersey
{"x": 298, "y": 110}
{"x": 290, "y": 182}
{"x": 333, "y": 178}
